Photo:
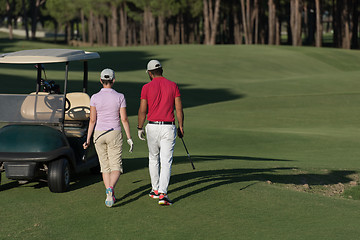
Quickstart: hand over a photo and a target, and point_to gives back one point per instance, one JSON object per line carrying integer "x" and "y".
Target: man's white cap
{"x": 107, "y": 74}
{"x": 153, "y": 64}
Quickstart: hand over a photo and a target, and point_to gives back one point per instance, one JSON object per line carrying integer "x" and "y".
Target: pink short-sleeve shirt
{"x": 108, "y": 103}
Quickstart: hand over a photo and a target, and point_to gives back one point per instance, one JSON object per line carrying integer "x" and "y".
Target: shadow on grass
{"x": 207, "y": 180}
{"x": 9, "y": 185}
{"x": 216, "y": 178}
{"x": 79, "y": 181}
{"x": 196, "y": 182}
{"x": 191, "y": 97}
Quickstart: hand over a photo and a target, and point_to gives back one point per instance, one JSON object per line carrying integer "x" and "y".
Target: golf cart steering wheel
{"x": 55, "y": 104}
{"x": 79, "y": 112}
{"x": 67, "y": 102}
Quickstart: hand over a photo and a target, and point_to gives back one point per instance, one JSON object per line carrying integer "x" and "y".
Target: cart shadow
{"x": 77, "y": 182}
{"x": 9, "y": 185}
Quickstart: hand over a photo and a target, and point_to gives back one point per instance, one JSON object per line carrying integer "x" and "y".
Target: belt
{"x": 162, "y": 123}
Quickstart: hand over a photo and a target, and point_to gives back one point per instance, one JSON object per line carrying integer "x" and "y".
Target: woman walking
{"x": 107, "y": 108}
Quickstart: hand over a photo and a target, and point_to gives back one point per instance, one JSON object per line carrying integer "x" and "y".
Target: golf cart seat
{"x": 77, "y": 116}
{"x": 79, "y": 107}
{"x": 42, "y": 107}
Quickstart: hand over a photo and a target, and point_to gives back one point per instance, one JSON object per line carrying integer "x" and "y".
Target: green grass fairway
{"x": 273, "y": 132}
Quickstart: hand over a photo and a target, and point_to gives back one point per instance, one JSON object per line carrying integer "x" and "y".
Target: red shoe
{"x": 164, "y": 200}
{"x": 154, "y": 194}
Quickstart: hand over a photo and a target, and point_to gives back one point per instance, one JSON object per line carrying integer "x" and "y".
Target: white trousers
{"x": 161, "y": 143}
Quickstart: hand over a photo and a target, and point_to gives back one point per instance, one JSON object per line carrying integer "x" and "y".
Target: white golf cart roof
{"x": 36, "y": 56}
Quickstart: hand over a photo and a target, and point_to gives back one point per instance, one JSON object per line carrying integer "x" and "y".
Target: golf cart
{"x": 42, "y": 132}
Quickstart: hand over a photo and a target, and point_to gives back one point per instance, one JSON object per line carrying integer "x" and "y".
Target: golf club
{"x": 85, "y": 150}
{"x": 192, "y": 164}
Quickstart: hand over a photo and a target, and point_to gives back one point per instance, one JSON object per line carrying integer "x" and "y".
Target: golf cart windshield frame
{"x": 31, "y": 108}
{"x": 52, "y": 106}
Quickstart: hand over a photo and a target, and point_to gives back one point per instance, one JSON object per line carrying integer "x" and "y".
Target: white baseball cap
{"x": 153, "y": 64}
{"x": 107, "y": 74}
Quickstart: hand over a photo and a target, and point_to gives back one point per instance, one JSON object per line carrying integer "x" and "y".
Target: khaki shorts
{"x": 109, "y": 150}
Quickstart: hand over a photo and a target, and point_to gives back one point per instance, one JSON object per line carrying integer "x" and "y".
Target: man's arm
{"x": 142, "y": 113}
{"x": 179, "y": 114}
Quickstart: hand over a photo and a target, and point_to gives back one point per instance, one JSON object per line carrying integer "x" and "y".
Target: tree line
{"x": 158, "y": 22}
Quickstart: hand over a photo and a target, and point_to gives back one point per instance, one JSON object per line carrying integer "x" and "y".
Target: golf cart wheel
{"x": 59, "y": 175}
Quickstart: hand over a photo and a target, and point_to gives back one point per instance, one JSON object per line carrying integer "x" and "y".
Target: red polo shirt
{"x": 160, "y": 94}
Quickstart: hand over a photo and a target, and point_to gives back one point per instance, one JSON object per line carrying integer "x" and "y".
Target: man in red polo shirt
{"x": 158, "y": 99}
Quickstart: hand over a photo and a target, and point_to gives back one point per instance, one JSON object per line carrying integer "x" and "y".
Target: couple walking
{"x": 158, "y": 99}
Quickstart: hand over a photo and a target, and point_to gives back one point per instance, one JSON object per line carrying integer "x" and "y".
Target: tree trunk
{"x": 161, "y": 27}
{"x": 91, "y": 27}
{"x": 245, "y": 23}
{"x": 177, "y": 30}
{"x": 181, "y": 28}
{"x": 98, "y": 31}
{"x": 67, "y": 32}
{"x": 206, "y": 22}
{"x": 152, "y": 35}
{"x": 255, "y": 21}
{"x": 318, "y": 35}
{"x": 108, "y": 31}
{"x": 149, "y": 30}
{"x": 211, "y": 20}
{"x": 146, "y": 26}
{"x": 56, "y": 26}
{"x": 135, "y": 36}
{"x": 123, "y": 25}
{"x": 25, "y": 19}
{"x": 272, "y": 21}
{"x": 215, "y": 22}
{"x": 295, "y": 21}
{"x": 9, "y": 13}
{"x": 102, "y": 29}
{"x": 132, "y": 33}
{"x": 171, "y": 33}
{"x": 113, "y": 26}
{"x": 237, "y": 29}
{"x": 83, "y": 33}
{"x": 345, "y": 20}
{"x": 35, "y": 12}
{"x": 355, "y": 25}
{"x": 247, "y": 17}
